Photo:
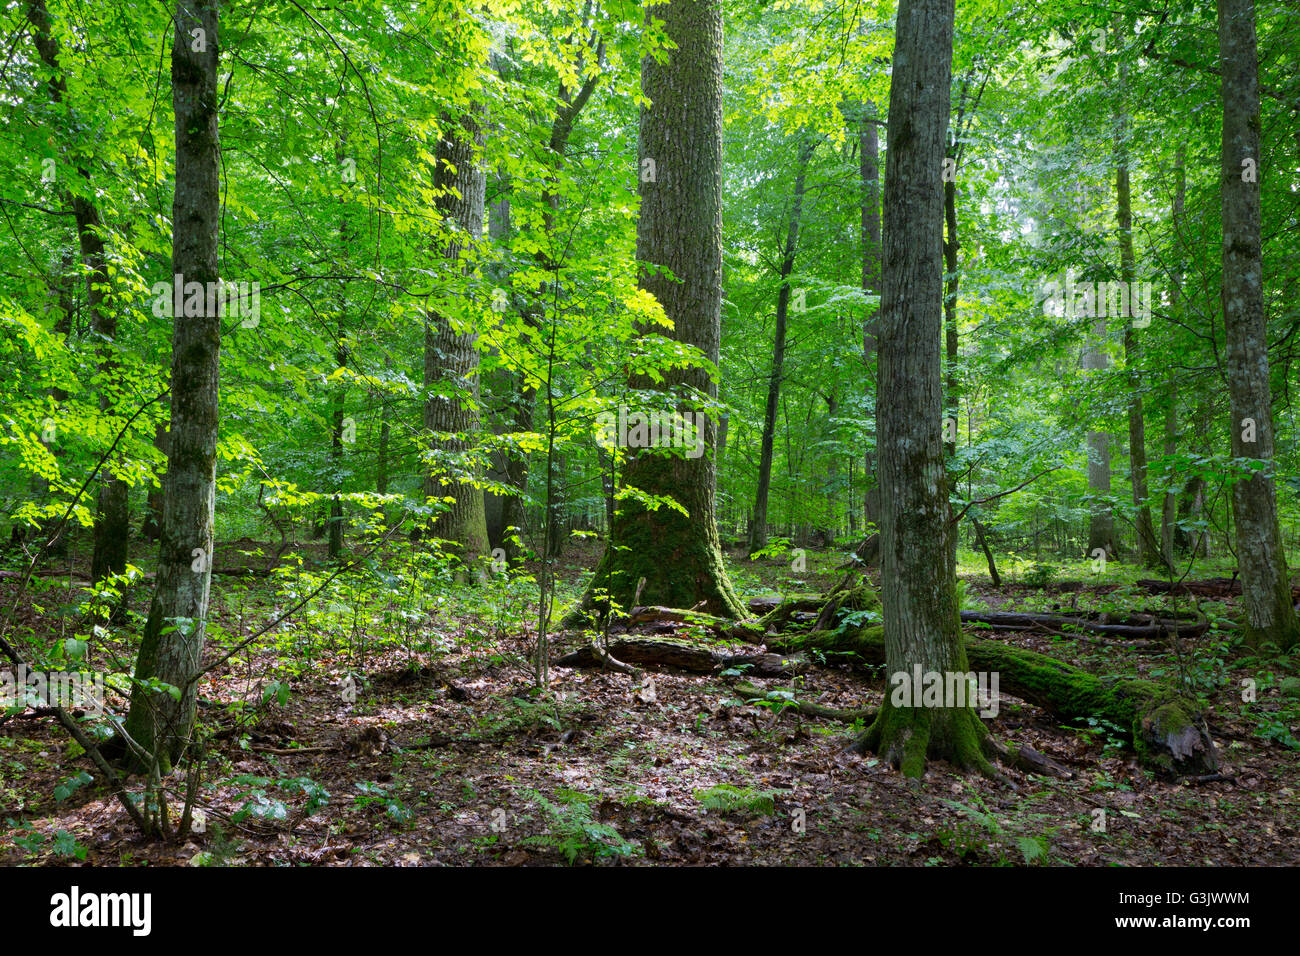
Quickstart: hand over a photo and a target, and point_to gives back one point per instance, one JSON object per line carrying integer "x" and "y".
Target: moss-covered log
{"x": 694, "y": 656}
{"x": 1166, "y": 729}
{"x": 811, "y": 610}
{"x": 671, "y": 618}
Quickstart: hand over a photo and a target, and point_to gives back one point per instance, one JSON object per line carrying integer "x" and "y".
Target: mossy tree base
{"x": 680, "y": 558}
{"x": 909, "y": 737}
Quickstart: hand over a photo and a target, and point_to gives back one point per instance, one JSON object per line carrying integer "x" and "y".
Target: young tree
{"x": 758, "y": 530}
{"x": 1147, "y": 545}
{"x": 869, "y": 176}
{"x": 918, "y": 578}
{"x": 680, "y": 228}
{"x": 173, "y": 636}
{"x": 1266, "y": 587}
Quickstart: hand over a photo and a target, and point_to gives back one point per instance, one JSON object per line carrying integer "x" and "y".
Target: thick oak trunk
{"x": 451, "y": 353}
{"x": 680, "y": 227}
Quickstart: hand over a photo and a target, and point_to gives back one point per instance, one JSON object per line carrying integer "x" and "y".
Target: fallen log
{"x": 820, "y": 610}
{"x": 752, "y": 692}
{"x": 1166, "y": 729}
{"x": 683, "y": 655}
{"x": 1208, "y": 587}
{"x": 1134, "y": 627}
{"x": 672, "y": 619}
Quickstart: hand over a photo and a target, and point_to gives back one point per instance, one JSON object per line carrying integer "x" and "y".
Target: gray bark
{"x": 680, "y": 227}
{"x": 451, "y": 354}
{"x": 1266, "y": 591}
{"x": 758, "y": 531}
{"x": 173, "y": 636}
{"x": 917, "y": 573}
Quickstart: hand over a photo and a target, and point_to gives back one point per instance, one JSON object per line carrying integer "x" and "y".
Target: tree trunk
{"x": 1101, "y": 522}
{"x": 151, "y": 527}
{"x": 173, "y": 636}
{"x": 451, "y": 354}
{"x": 112, "y": 531}
{"x": 1169, "y": 511}
{"x": 917, "y": 573}
{"x": 1148, "y": 545}
{"x": 1266, "y": 592}
{"x": 513, "y": 465}
{"x": 385, "y": 435}
{"x": 680, "y": 227}
{"x": 869, "y": 173}
{"x": 758, "y": 533}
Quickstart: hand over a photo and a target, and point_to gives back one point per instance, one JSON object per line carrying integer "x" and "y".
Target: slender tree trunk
{"x": 1169, "y": 511}
{"x": 151, "y": 527}
{"x": 1101, "y": 521}
{"x": 1148, "y": 544}
{"x": 952, "y": 285}
{"x": 112, "y": 531}
{"x": 1266, "y": 588}
{"x": 512, "y": 464}
{"x": 869, "y": 174}
{"x": 919, "y": 598}
{"x": 173, "y": 635}
{"x": 335, "y": 551}
{"x": 451, "y": 354}
{"x": 758, "y": 533}
{"x": 680, "y": 227}
{"x": 385, "y": 435}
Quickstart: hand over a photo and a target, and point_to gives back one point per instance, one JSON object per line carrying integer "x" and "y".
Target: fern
{"x": 572, "y": 831}
{"x": 725, "y": 799}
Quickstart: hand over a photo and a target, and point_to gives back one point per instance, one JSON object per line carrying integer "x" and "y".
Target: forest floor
{"x": 445, "y": 757}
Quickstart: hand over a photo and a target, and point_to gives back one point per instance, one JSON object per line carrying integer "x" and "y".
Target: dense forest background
{"x": 332, "y": 337}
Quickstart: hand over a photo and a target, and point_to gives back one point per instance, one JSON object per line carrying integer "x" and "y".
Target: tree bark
{"x": 1148, "y": 545}
{"x": 869, "y": 173}
{"x": 918, "y": 576}
{"x": 112, "y": 531}
{"x": 174, "y": 632}
{"x": 680, "y": 227}
{"x": 451, "y": 354}
{"x": 1169, "y": 510}
{"x": 758, "y": 530}
{"x": 1266, "y": 592}
{"x": 1101, "y": 521}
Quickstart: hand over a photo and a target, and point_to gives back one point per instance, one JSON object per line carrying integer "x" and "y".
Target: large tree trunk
{"x": 1266, "y": 593}
{"x": 917, "y": 573}
{"x": 758, "y": 531}
{"x": 173, "y": 636}
{"x": 451, "y": 354}
{"x": 680, "y": 227}
{"x": 1148, "y": 545}
{"x": 112, "y": 530}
